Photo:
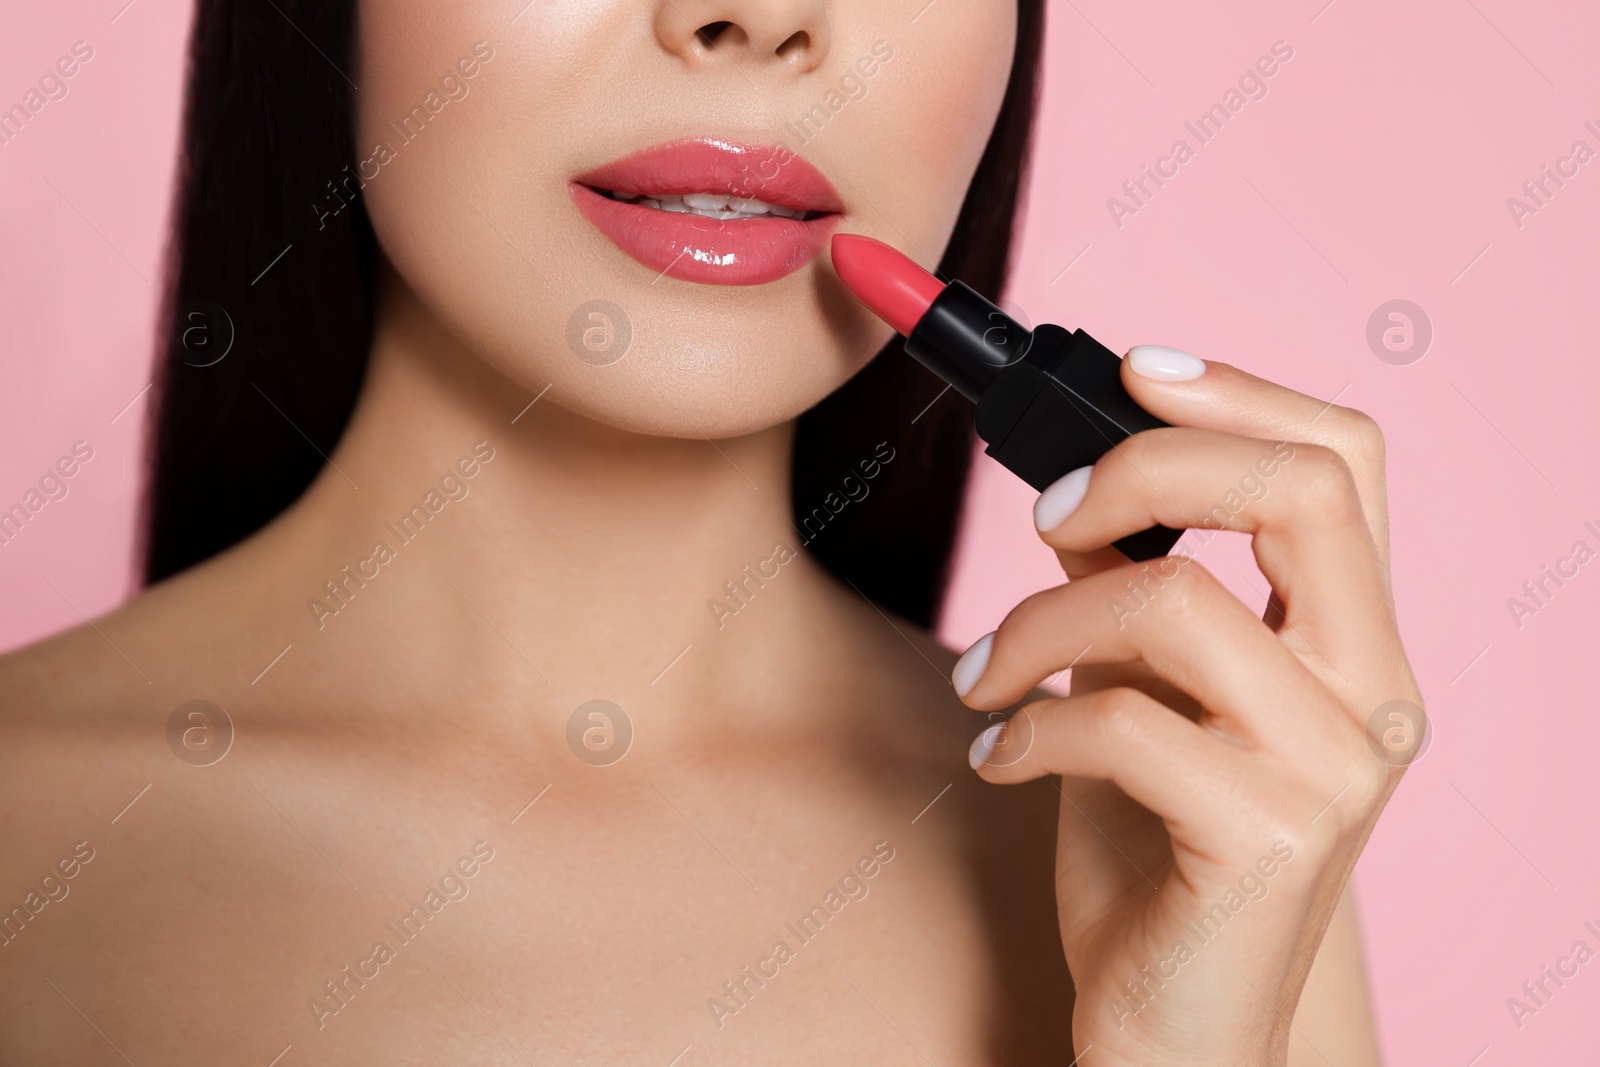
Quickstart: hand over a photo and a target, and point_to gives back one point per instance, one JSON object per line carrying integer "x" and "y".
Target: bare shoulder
{"x": 52, "y": 684}
{"x": 83, "y": 717}
{"x": 88, "y": 678}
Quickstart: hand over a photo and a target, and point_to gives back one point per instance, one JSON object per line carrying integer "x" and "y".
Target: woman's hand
{"x": 1221, "y": 773}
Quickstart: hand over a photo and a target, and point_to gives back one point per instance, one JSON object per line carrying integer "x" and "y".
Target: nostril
{"x": 709, "y": 33}
{"x": 796, "y": 44}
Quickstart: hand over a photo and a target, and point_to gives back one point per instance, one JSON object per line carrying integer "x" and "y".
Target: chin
{"x": 699, "y": 368}
{"x": 626, "y": 348}
{"x": 663, "y": 266}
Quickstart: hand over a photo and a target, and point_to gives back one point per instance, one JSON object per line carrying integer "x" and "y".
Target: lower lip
{"x": 710, "y": 251}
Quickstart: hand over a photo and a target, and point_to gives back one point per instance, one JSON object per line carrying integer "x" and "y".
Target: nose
{"x": 792, "y": 33}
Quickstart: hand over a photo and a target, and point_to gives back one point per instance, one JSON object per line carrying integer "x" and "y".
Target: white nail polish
{"x": 1165, "y": 364}
{"x": 983, "y": 746}
{"x": 1061, "y": 498}
{"x": 969, "y": 668}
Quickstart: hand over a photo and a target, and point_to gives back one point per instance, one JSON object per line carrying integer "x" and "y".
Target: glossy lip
{"x": 712, "y": 251}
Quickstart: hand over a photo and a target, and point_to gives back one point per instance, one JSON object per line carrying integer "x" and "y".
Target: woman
{"x": 535, "y": 665}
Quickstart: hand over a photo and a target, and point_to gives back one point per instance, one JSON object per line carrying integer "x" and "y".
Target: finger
{"x": 1298, "y": 502}
{"x": 1160, "y": 759}
{"x": 1225, "y": 398}
{"x": 1047, "y": 512}
{"x": 1176, "y": 618}
{"x": 1083, "y": 564}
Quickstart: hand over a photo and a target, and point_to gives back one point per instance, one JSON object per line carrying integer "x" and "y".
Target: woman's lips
{"x": 698, "y": 248}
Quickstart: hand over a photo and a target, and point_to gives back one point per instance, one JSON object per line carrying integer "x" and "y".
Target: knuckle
{"x": 1179, "y": 586}
{"x": 1141, "y": 591}
{"x": 1348, "y": 788}
{"x": 1377, "y": 775}
{"x": 1363, "y": 774}
{"x": 1323, "y": 480}
{"x": 1357, "y": 436}
{"x": 1371, "y": 780}
{"x": 1290, "y": 841}
{"x": 1267, "y": 828}
{"x": 1121, "y": 715}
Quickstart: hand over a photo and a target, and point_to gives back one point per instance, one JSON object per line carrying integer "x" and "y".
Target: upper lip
{"x": 771, "y": 174}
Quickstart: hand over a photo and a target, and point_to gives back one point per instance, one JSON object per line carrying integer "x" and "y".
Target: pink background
{"x": 1377, "y": 167}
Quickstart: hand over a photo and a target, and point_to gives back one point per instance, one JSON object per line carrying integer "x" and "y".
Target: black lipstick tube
{"x": 1048, "y": 401}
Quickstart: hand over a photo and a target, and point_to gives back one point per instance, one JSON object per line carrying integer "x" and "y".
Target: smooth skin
{"x": 772, "y": 749}
{"x": 1206, "y": 754}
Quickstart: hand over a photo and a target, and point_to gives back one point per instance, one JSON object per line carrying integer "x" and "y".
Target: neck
{"x": 562, "y": 561}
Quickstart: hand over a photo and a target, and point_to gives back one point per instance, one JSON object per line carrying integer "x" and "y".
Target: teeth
{"x": 706, "y": 201}
{"x": 719, "y": 206}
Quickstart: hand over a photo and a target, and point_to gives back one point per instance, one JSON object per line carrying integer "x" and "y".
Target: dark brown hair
{"x": 267, "y": 124}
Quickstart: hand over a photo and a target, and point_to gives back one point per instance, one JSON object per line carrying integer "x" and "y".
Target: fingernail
{"x": 969, "y": 668}
{"x": 1165, "y": 364}
{"x": 983, "y": 746}
{"x": 1061, "y": 499}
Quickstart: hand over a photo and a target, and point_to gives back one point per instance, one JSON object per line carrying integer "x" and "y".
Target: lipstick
{"x": 1048, "y": 401}
{"x": 711, "y": 210}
